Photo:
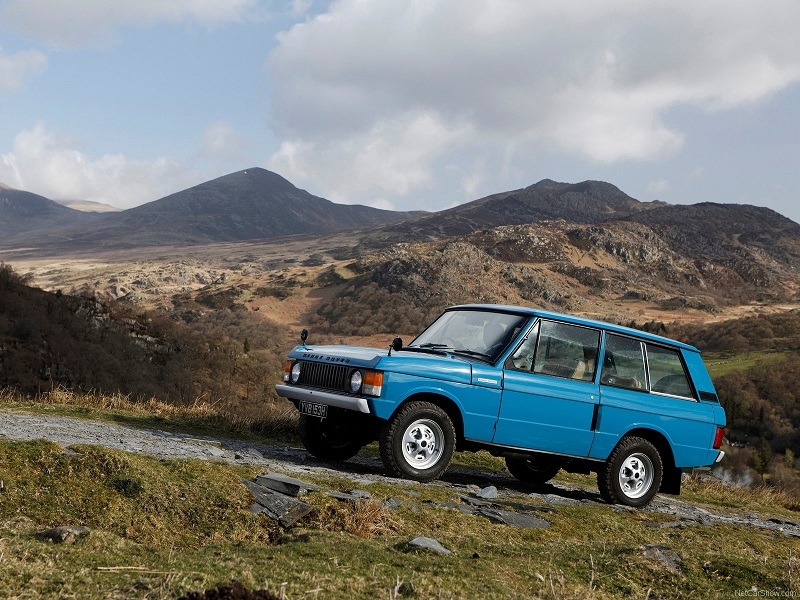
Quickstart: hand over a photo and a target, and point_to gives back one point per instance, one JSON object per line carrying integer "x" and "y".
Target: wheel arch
{"x": 447, "y": 404}
{"x": 671, "y": 476}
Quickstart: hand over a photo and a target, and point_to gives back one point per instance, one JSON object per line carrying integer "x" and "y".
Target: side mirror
{"x": 397, "y": 344}
{"x": 304, "y": 335}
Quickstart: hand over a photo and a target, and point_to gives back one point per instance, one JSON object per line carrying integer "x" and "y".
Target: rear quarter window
{"x": 667, "y": 374}
{"x": 637, "y": 365}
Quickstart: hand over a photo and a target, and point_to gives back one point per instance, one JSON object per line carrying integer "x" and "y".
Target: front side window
{"x": 566, "y": 351}
{"x": 623, "y": 363}
{"x": 666, "y": 372}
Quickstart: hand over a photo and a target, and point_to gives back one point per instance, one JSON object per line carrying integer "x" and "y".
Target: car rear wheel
{"x": 328, "y": 439}
{"x": 532, "y": 470}
{"x": 418, "y": 442}
{"x": 632, "y": 474}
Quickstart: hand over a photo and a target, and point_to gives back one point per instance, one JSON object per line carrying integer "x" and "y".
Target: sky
{"x": 404, "y": 105}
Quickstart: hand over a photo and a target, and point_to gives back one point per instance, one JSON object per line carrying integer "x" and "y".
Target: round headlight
{"x": 295, "y": 376}
{"x": 356, "y": 379}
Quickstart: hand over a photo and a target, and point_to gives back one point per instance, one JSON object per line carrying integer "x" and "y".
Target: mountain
{"x": 23, "y": 213}
{"x": 246, "y": 205}
{"x": 88, "y": 206}
{"x": 586, "y": 202}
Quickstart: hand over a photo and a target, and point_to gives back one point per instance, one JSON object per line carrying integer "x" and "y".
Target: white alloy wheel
{"x": 636, "y": 475}
{"x": 423, "y": 441}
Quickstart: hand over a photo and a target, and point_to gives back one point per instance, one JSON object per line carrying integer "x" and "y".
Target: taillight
{"x": 373, "y": 381}
{"x": 718, "y": 437}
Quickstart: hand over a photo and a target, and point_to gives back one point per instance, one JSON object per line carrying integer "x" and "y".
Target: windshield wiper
{"x": 428, "y": 348}
{"x": 483, "y": 355}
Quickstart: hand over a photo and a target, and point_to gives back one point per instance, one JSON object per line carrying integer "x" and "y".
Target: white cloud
{"x": 66, "y": 23}
{"x": 659, "y": 186}
{"x": 501, "y": 82}
{"x": 16, "y": 68}
{"x": 42, "y": 163}
{"x": 221, "y": 140}
{"x": 392, "y": 158}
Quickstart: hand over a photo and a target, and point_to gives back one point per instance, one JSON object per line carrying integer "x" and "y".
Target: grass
{"x": 719, "y": 364}
{"x": 277, "y": 421}
{"x": 161, "y": 528}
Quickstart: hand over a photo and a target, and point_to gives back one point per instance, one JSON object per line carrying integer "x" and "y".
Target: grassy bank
{"x": 161, "y": 528}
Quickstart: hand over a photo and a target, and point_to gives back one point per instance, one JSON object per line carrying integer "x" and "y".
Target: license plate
{"x": 313, "y": 409}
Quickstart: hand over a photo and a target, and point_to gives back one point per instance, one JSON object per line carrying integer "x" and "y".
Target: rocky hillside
{"x": 586, "y": 202}
{"x": 613, "y": 269}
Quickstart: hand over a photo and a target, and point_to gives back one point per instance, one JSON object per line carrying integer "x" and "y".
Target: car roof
{"x": 535, "y": 312}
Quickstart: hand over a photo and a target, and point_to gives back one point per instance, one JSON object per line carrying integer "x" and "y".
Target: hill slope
{"x": 24, "y": 213}
{"x": 586, "y": 202}
{"x": 250, "y": 204}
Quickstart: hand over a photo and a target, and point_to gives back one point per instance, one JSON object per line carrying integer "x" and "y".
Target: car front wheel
{"x": 632, "y": 474}
{"x": 418, "y": 442}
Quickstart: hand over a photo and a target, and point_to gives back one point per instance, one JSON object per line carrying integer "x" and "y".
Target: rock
{"x": 285, "y": 484}
{"x": 393, "y": 503}
{"x": 63, "y": 535}
{"x": 232, "y": 591}
{"x": 668, "y": 558}
{"x": 488, "y": 493}
{"x": 280, "y": 507}
{"x": 513, "y": 519}
{"x": 427, "y": 543}
{"x": 475, "y": 501}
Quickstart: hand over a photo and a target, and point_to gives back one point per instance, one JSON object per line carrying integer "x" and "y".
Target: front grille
{"x": 323, "y": 375}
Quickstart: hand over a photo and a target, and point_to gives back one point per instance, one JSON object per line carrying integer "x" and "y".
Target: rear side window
{"x": 637, "y": 365}
{"x": 566, "y": 351}
{"x": 623, "y": 363}
{"x": 667, "y": 374}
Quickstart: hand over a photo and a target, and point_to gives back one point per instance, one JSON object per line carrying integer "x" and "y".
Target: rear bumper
{"x": 720, "y": 456}
{"x": 338, "y": 400}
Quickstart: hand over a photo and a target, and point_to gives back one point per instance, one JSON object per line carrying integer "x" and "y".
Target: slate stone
{"x": 285, "y": 484}
{"x": 513, "y": 519}
{"x": 668, "y": 558}
{"x": 280, "y": 507}
{"x": 393, "y": 503}
{"x": 63, "y": 535}
{"x": 488, "y": 493}
{"x": 427, "y": 543}
{"x": 363, "y": 494}
{"x": 475, "y": 501}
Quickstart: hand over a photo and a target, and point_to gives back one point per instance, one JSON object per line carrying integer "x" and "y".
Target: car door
{"x": 550, "y": 390}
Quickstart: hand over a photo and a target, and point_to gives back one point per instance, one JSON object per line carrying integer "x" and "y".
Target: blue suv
{"x": 546, "y": 391}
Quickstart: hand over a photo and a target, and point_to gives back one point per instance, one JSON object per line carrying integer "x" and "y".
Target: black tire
{"x": 328, "y": 439}
{"x": 532, "y": 470}
{"x": 632, "y": 474}
{"x": 418, "y": 442}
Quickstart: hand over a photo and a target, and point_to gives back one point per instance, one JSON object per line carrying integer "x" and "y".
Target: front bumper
{"x": 338, "y": 400}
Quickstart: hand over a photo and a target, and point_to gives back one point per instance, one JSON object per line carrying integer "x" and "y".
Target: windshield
{"x": 479, "y": 333}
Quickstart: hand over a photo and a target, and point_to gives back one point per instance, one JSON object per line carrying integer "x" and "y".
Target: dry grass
{"x": 762, "y": 496}
{"x": 277, "y": 419}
